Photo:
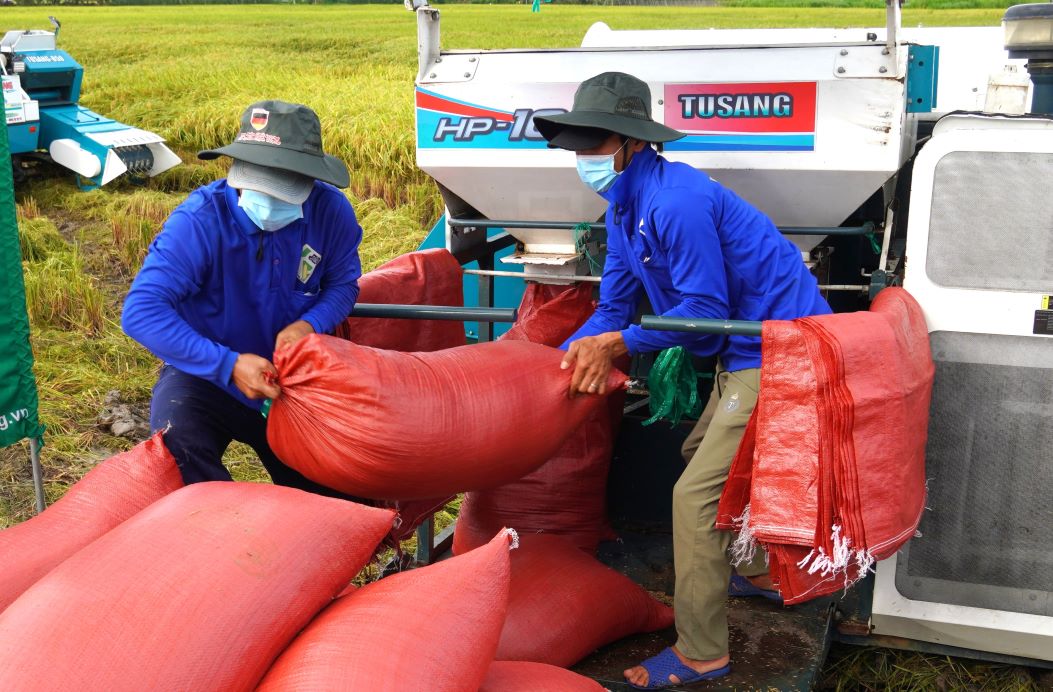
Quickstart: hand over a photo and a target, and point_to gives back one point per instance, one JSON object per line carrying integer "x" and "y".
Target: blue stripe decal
{"x": 743, "y": 142}
{"x": 452, "y": 133}
{"x": 428, "y": 123}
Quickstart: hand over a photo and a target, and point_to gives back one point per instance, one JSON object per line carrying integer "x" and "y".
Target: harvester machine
{"x": 890, "y": 156}
{"x": 41, "y": 86}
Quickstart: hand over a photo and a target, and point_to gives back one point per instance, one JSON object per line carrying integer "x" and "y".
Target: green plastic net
{"x": 673, "y": 385}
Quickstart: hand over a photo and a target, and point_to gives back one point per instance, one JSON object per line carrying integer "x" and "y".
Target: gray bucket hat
{"x": 610, "y": 102}
{"x": 283, "y": 136}
{"x": 284, "y": 185}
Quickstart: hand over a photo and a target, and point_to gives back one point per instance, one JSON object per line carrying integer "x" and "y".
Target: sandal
{"x": 741, "y": 586}
{"x": 667, "y": 663}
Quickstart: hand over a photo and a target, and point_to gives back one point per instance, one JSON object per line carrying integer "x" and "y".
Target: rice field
{"x": 187, "y": 72}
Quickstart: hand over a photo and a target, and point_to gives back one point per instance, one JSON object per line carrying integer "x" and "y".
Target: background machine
{"x": 41, "y": 87}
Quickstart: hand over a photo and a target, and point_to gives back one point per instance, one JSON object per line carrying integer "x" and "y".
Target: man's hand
{"x": 256, "y": 377}
{"x": 293, "y": 333}
{"x": 591, "y": 357}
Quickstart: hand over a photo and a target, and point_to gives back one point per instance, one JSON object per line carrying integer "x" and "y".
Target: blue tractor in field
{"x": 41, "y": 86}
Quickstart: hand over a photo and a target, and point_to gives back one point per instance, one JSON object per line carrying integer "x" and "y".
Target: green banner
{"x": 18, "y": 387}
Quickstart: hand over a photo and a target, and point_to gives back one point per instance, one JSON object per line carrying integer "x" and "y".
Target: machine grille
{"x": 990, "y": 469}
{"x": 994, "y": 235}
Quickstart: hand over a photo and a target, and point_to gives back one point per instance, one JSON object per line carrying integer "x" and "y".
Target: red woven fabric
{"x": 736, "y": 495}
{"x": 433, "y": 628}
{"x": 389, "y": 425}
{"x": 788, "y": 438}
{"x": 428, "y": 277}
{"x": 201, "y": 590}
{"x": 107, "y": 495}
{"x": 564, "y": 604}
{"x": 524, "y": 676}
{"x": 835, "y": 473}
{"x": 550, "y": 314}
{"x": 567, "y": 495}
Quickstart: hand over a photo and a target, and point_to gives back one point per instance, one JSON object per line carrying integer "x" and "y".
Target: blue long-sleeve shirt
{"x": 697, "y": 250}
{"x": 214, "y": 285}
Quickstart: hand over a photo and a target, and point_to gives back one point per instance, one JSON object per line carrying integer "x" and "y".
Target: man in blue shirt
{"x": 245, "y": 266}
{"x": 695, "y": 249}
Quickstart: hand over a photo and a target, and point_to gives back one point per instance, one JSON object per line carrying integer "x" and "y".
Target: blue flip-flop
{"x": 741, "y": 586}
{"x": 667, "y": 663}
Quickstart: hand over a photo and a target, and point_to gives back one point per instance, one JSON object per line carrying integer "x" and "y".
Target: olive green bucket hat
{"x": 610, "y": 102}
{"x": 283, "y": 136}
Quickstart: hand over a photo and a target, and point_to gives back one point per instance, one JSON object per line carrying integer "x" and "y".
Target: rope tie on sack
{"x": 673, "y": 387}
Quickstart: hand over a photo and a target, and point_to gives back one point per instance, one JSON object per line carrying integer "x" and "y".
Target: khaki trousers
{"x": 700, "y": 550}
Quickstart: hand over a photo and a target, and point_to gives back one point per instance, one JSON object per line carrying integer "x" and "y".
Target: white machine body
{"x": 773, "y": 122}
{"x": 808, "y": 125}
{"x": 980, "y": 263}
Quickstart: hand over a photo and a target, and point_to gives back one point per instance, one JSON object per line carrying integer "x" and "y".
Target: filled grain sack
{"x": 107, "y": 495}
{"x": 427, "y": 277}
{"x": 434, "y": 628}
{"x": 567, "y": 495}
{"x": 404, "y": 426}
{"x": 524, "y": 676}
{"x": 564, "y": 604}
{"x": 201, "y": 590}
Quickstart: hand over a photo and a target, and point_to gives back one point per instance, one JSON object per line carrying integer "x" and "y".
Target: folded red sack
{"x": 525, "y": 676}
{"x": 736, "y": 495}
{"x": 877, "y": 476}
{"x": 839, "y": 449}
{"x": 900, "y": 486}
{"x": 110, "y": 493}
{"x": 783, "y": 509}
{"x": 567, "y": 495}
{"x": 200, "y": 590}
{"x": 427, "y": 277}
{"x": 378, "y": 638}
{"x": 564, "y": 604}
{"x": 796, "y": 584}
{"x": 390, "y": 425}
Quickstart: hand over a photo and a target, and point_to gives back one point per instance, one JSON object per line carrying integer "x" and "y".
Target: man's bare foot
{"x": 637, "y": 675}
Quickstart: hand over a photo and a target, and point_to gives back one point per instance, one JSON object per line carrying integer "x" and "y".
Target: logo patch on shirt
{"x": 309, "y": 259}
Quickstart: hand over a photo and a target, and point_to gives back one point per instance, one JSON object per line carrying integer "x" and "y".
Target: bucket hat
{"x": 610, "y": 102}
{"x": 286, "y": 137}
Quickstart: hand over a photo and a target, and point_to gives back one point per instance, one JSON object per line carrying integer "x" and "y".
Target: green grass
{"x": 187, "y": 73}
{"x": 852, "y": 669}
{"x": 909, "y": 5}
{"x": 60, "y": 293}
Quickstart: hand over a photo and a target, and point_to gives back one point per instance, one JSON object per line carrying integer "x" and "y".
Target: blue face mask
{"x": 269, "y": 213}
{"x": 597, "y": 170}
